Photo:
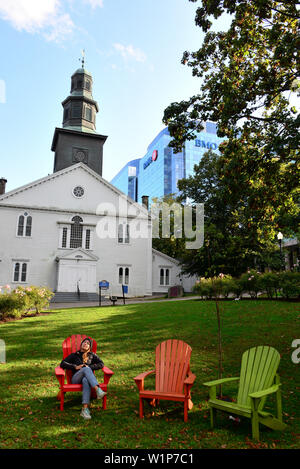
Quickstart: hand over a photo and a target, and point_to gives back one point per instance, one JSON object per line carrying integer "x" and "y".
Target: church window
{"x": 126, "y": 234}
{"x": 123, "y": 233}
{"x": 64, "y": 238}
{"x": 23, "y": 272}
{"x": 76, "y": 232}
{"x": 88, "y": 85}
{"x": 66, "y": 114}
{"x": 28, "y": 226}
{"x": 21, "y": 225}
{"x": 126, "y": 279}
{"x": 164, "y": 277}
{"x": 78, "y": 191}
{"x": 88, "y": 113}
{"x": 120, "y": 233}
{"x": 16, "y": 272}
{"x": 123, "y": 275}
{"x": 79, "y": 83}
{"x": 24, "y": 225}
{"x": 87, "y": 239}
{"x": 76, "y": 110}
{"x": 20, "y": 272}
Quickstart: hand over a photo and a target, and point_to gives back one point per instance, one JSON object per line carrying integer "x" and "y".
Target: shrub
{"x": 269, "y": 282}
{"x": 290, "y": 284}
{"x": 214, "y": 287}
{"x": 203, "y": 288}
{"x": 37, "y": 297}
{"x": 22, "y": 300}
{"x": 250, "y": 283}
{"x": 11, "y": 305}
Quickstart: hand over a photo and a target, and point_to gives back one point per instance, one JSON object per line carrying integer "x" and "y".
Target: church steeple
{"x": 79, "y": 107}
{"x": 77, "y": 140}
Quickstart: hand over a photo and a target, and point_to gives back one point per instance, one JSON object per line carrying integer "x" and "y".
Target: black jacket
{"x": 75, "y": 359}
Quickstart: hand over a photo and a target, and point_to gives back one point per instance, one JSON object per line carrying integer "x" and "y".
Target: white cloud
{"x": 129, "y": 52}
{"x": 37, "y": 16}
{"x": 94, "y": 3}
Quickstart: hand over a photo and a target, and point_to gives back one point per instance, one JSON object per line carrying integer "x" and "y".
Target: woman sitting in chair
{"x": 83, "y": 363}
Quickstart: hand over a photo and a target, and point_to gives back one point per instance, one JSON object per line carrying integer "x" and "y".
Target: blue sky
{"x": 133, "y": 49}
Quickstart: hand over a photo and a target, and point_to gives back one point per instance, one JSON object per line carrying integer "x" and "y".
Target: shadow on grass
{"x": 127, "y": 337}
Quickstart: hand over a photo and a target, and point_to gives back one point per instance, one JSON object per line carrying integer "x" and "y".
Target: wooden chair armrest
{"x": 107, "y": 374}
{"x": 139, "y": 380}
{"x": 217, "y": 382}
{"x": 265, "y": 392}
{"x": 213, "y": 385}
{"x": 59, "y": 372}
{"x": 107, "y": 371}
{"x": 143, "y": 375}
{"x": 60, "y": 375}
{"x": 190, "y": 379}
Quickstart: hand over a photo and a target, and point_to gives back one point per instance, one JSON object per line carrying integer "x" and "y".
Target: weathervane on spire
{"x": 82, "y": 58}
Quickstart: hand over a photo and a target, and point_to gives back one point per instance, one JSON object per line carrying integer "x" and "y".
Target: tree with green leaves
{"x": 249, "y": 75}
{"x": 231, "y": 246}
{"x": 169, "y": 242}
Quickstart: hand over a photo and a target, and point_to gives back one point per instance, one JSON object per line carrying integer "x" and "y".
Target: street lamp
{"x": 280, "y": 238}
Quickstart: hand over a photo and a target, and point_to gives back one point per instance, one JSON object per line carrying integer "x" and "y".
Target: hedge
{"x": 273, "y": 284}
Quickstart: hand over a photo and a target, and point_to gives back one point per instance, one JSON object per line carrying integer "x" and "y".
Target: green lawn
{"x": 127, "y": 337}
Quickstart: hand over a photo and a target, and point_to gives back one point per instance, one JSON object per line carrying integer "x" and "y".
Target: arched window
{"x": 76, "y": 232}
{"x": 24, "y": 272}
{"x": 21, "y": 225}
{"x": 167, "y": 278}
{"x": 28, "y": 226}
{"x": 126, "y": 279}
{"x": 121, "y": 275}
{"x": 16, "y": 272}
{"x": 24, "y": 225}
{"x": 162, "y": 277}
{"x": 20, "y": 272}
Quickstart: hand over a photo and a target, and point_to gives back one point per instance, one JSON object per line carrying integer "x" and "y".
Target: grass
{"x": 127, "y": 336}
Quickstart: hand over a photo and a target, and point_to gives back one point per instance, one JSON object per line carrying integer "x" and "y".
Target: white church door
{"x": 76, "y": 271}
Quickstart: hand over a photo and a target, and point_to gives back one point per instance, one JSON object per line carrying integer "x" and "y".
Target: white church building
{"x": 72, "y": 229}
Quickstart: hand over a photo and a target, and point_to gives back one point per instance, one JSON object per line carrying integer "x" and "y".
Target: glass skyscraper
{"x": 158, "y": 172}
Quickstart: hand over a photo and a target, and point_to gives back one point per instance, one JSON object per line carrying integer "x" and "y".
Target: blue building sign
{"x": 104, "y": 284}
{"x": 208, "y": 145}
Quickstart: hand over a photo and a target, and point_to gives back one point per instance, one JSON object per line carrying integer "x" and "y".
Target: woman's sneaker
{"x": 100, "y": 393}
{"x": 85, "y": 413}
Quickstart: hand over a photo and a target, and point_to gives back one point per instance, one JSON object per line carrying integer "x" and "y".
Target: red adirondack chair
{"x": 173, "y": 378}
{"x": 71, "y": 345}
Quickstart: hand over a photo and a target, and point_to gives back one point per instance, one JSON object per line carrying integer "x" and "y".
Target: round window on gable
{"x": 78, "y": 192}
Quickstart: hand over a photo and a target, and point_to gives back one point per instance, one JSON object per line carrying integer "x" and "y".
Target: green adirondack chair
{"x": 258, "y": 378}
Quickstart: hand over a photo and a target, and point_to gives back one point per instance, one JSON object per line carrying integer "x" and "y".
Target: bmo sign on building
{"x": 151, "y": 158}
{"x": 157, "y": 173}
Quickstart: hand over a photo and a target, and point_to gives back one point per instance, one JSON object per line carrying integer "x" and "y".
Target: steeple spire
{"x": 82, "y": 57}
{"x": 77, "y": 140}
{"x": 79, "y": 107}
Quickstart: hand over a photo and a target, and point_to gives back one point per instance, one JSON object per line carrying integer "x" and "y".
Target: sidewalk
{"x": 106, "y": 302}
